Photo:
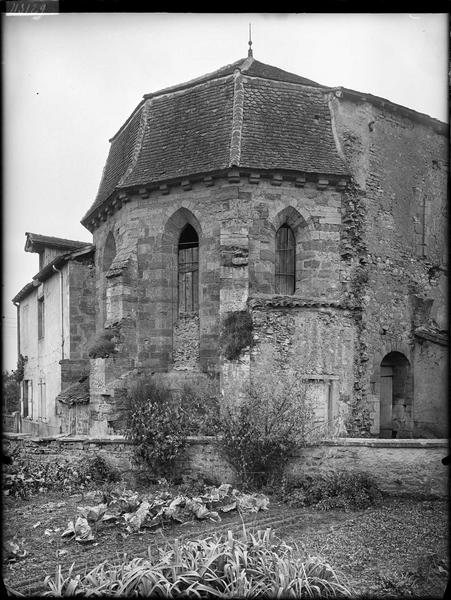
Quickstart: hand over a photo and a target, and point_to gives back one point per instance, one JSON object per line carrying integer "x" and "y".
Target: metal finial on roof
{"x": 249, "y": 52}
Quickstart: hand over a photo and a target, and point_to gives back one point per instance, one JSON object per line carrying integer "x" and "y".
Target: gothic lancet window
{"x": 188, "y": 271}
{"x": 285, "y": 260}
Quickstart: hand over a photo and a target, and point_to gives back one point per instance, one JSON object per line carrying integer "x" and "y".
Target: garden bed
{"x": 398, "y": 549}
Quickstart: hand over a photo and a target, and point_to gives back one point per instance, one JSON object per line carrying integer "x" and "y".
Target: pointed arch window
{"x": 188, "y": 271}
{"x": 285, "y": 260}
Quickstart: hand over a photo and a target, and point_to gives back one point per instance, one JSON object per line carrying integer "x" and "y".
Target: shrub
{"x": 156, "y": 425}
{"x": 221, "y": 566}
{"x": 24, "y": 477}
{"x": 259, "y": 431}
{"x": 342, "y": 490}
{"x": 19, "y": 372}
{"x": 11, "y": 392}
{"x": 99, "y": 470}
{"x": 200, "y": 405}
{"x": 104, "y": 345}
{"x": 236, "y": 334}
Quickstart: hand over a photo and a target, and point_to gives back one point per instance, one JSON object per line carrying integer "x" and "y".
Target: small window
{"x": 285, "y": 261}
{"x": 188, "y": 271}
{"x": 41, "y": 317}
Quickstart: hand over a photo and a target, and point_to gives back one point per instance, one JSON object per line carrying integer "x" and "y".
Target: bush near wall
{"x": 156, "y": 426}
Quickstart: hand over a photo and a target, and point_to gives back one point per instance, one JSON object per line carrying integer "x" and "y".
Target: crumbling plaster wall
{"x": 397, "y": 200}
{"x": 318, "y": 345}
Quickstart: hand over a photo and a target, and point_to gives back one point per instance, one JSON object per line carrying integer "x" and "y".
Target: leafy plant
{"x": 134, "y": 511}
{"x": 259, "y": 431}
{"x": 104, "y": 345}
{"x": 11, "y": 391}
{"x": 342, "y": 490}
{"x": 19, "y": 372}
{"x": 236, "y": 334}
{"x": 99, "y": 470}
{"x": 224, "y": 566}
{"x": 24, "y": 478}
{"x": 156, "y": 425}
{"x": 200, "y": 404}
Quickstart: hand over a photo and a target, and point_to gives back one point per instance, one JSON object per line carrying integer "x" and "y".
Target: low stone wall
{"x": 400, "y": 467}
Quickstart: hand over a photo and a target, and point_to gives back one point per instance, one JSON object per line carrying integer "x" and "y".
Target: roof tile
{"x": 187, "y": 129}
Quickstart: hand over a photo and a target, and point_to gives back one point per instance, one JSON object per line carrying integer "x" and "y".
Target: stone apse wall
{"x": 370, "y": 268}
{"x": 235, "y": 219}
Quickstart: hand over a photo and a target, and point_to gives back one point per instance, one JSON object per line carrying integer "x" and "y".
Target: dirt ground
{"x": 399, "y": 549}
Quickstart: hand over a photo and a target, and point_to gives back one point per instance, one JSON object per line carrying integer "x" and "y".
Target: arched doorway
{"x": 396, "y": 395}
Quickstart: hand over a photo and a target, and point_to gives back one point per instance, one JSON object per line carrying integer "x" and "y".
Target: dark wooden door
{"x": 386, "y": 402}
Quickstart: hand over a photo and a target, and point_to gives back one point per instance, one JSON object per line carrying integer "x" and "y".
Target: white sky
{"x": 70, "y": 81}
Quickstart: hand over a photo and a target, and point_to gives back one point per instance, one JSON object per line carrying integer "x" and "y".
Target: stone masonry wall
{"x": 81, "y": 307}
{"x": 400, "y": 467}
{"x": 235, "y": 220}
{"x": 394, "y": 243}
{"x": 317, "y": 344}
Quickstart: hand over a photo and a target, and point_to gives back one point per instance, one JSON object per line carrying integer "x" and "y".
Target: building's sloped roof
{"x": 49, "y": 271}
{"x": 281, "y": 121}
{"x": 187, "y": 133}
{"x": 77, "y": 393}
{"x": 259, "y": 69}
{"x": 36, "y": 242}
{"x": 286, "y": 129}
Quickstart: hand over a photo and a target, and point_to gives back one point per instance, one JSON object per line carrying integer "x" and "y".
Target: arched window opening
{"x": 285, "y": 260}
{"x": 188, "y": 271}
{"x": 109, "y": 252}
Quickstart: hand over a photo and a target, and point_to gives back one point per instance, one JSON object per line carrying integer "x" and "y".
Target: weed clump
{"x": 104, "y": 345}
{"x": 236, "y": 334}
{"x": 341, "y": 490}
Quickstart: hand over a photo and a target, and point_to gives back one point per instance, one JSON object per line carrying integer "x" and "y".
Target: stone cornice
{"x": 233, "y": 175}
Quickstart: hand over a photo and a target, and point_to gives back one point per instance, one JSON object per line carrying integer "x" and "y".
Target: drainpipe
{"x": 17, "y": 305}
{"x": 62, "y": 310}
{"x": 18, "y": 420}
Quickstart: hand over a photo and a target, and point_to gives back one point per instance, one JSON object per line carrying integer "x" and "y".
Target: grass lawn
{"x": 397, "y": 550}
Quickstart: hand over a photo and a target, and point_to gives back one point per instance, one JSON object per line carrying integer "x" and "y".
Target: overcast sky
{"x": 70, "y": 81}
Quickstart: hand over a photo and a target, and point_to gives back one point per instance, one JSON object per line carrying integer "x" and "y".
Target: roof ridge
{"x": 224, "y": 71}
{"x": 237, "y": 119}
{"x": 138, "y": 143}
{"x": 247, "y": 63}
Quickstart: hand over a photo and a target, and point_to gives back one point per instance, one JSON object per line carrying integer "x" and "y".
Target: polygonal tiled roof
{"x": 246, "y": 114}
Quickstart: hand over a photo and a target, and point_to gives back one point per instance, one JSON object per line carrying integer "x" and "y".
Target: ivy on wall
{"x": 105, "y": 344}
{"x": 236, "y": 334}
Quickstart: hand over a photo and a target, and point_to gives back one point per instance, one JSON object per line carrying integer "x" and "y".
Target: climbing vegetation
{"x": 104, "y": 345}
{"x": 236, "y": 334}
